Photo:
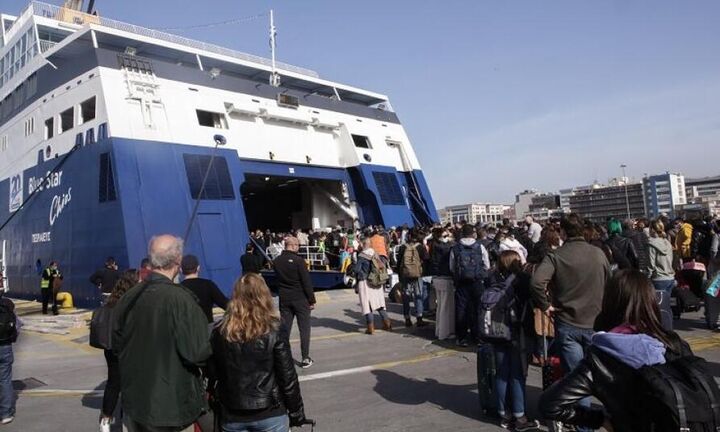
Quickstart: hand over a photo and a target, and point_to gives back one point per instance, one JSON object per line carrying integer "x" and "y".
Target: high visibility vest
{"x": 45, "y": 283}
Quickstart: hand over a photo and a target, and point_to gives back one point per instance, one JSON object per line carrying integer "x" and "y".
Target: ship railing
{"x": 314, "y": 256}
{"x": 77, "y": 17}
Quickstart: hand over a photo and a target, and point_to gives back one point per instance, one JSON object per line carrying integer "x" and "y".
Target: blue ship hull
{"x": 85, "y": 213}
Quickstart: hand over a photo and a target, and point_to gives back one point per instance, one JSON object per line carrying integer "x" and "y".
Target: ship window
{"x": 135, "y": 64}
{"x": 49, "y": 128}
{"x": 388, "y": 188}
{"x": 106, "y": 190}
{"x": 29, "y": 126}
{"x": 67, "y": 119}
{"x": 211, "y": 119}
{"x": 87, "y": 110}
{"x": 219, "y": 184}
{"x": 361, "y": 141}
{"x": 3, "y": 143}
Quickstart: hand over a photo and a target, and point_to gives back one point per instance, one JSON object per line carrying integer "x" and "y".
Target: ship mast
{"x": 274, "y": 76}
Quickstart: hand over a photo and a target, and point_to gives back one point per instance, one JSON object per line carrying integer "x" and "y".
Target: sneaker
{"x": 420, "y": 322}
{"x": 105, "y": 424}
{"x": 306, "y": 363}
{"x": 506, "y": 422}
{"x": 408, "y": 323}
{"x": 7, "y": 420}
{"x": 522, "y": 424}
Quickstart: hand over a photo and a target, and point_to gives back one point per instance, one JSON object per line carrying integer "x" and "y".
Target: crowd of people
{"x": 173, "y": 364}
{"x": 595, "y": 293}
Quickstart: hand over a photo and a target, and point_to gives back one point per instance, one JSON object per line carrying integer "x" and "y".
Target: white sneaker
{"x": 7, "y": 420}
{"x": 105, "y": 424}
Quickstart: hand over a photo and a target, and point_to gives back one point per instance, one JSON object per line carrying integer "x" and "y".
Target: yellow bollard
{"x": 65, "y": 300}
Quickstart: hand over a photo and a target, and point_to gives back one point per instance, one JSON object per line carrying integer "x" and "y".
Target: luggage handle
{"x": 310, "y": 422}
{"x": 544, "y": 337}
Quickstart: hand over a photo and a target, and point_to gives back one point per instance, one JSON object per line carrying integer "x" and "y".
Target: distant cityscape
{"x": 669, "y": 194}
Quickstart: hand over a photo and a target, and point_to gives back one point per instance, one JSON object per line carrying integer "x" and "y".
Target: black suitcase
{"x": 666, "y": 313}
{"x": 687, "y": 301}
{"x": 712, "y": 311}
{"x": 486, "y": 380}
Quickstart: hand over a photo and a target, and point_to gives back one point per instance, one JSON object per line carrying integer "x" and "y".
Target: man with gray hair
{"x": 160, "y": 338}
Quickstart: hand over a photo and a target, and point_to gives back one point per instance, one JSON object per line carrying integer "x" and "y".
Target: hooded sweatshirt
{"x": 661, "y": 259}
{"x": 469, "y": 241}
{"x": 635, "y": 350}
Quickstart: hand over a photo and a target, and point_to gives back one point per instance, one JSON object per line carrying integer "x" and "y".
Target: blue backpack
{"x": 469, "y": 265}
{"x": 497, "y": 311}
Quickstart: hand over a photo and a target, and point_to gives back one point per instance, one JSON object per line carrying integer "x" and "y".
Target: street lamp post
{"x": 627, "y": 200}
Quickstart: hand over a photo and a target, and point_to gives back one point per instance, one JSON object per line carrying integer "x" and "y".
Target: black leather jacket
{"x": 609, "y": 380}
{"x": 623, "y": 251}
{"x": 256, "y": 375}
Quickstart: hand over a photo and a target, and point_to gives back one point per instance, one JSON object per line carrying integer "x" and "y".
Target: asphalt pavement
{"x": 404, "y": 380}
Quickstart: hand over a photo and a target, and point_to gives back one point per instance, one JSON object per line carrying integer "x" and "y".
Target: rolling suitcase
{"x": 486, "y": 380}
{"x": 712, "y": 311}
{"x": 666, "y": 313}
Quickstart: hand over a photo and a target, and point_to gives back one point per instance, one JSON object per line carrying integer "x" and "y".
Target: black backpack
{"x": 8, "y": 324}
{"x": 700, "y": 241}
{"x": 497, "y": 311}
{"x": 101, "y": 328}
{"x": 469, "y": 265}
{"x": 680, "y": 395}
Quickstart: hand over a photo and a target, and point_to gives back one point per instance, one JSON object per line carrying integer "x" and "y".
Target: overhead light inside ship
{"x": 214, "y": 72}
{"x": 131, "y": 51}
{"x": 267, "y": 178}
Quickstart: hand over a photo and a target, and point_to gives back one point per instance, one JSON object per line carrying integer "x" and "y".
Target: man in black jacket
{"x": 207, "y": 293}
{"x": 296, "y": 294}
{"x": 640, "y": 244}
{"x": 250, "y": 261}
{"x": 106, "y": 278}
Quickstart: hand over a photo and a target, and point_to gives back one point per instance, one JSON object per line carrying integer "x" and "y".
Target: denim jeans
{"x": 272, "y": 424}
{"x": 416, "y": 291}
{"x": 370, "y": 318}
{"x": 509, "y": 376}
{"x": 130, "y": 425}
{"x": 7, "y": 394}
{"x": 572, "y": 342}
{"x": 664, "y": 285}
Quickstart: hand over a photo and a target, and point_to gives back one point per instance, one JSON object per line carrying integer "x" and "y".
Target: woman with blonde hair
{"x": 660, "y": 250}
{"x": 252, "y": 369}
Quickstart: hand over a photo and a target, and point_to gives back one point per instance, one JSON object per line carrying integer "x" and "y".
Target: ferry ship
{"x": 111, "y": 133}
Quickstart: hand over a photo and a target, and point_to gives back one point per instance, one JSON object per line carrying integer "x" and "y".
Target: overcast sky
{"x": 500, "y": 96}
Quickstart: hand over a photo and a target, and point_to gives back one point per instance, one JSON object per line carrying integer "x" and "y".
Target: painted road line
{"x": 697, "y": 344}
{"x": 378, "y": 366}
{"x": 302, "y": 378}
{"x": 704, "y": 343}
{"x": 60, "y": 393}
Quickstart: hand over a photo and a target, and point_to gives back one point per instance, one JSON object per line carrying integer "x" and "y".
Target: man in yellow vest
{"x": 47, "y": 282}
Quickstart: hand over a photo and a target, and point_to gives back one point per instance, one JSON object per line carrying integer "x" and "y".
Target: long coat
{"x": 371, "y": 299}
